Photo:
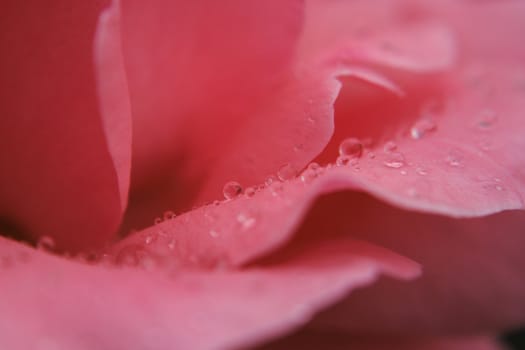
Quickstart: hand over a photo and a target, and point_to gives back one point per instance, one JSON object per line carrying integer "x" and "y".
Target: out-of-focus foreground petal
{"x": 49, "y": 302}
{"x": 63, "y": 97}
{"x": 472, "y": 270}
{"x": 306, "y": 340}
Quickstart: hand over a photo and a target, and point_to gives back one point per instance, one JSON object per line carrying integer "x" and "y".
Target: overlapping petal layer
{"x": 58, "y": 177}
{"x": 49, "y": 302}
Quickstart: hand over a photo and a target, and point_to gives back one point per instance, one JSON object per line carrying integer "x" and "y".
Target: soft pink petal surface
{"x": 451, "y": 296}
{"x": 58, "y": 176}
{"x": 51, "y": 302}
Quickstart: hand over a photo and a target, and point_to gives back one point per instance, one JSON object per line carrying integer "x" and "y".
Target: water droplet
{"x": 342, "y": 160}
{"x": 270, "y": 180}
{"x": 403, "y": 172}
{"x": 130, "y": 256}
{"x": 394, "y": 160}
{"x": 286, "y": 172}
{"x": 231, "y": 190}
{"x": 213, "y": 234}
{"x": 45, "y": 243}
{"x": 250, "y": 191}
{"x": 371, "y": 155}
{"x": 308, "y": 175}
{"x": 390, "y": 146}
{"x": 172, "y": 243}
{"x": 351, "y": 147}
{"x": 454, "y": 159}
{"x": 169, "y": 215}
{"x": 246, "y": 221}
{"x": 422, "y": 128}
{"x": 421, "y": 171}
{"x": 157, "y": 221}
{"x": 487, "y": 118}
{"x": 276, "y": 188}
{"x": 150, "y": 238}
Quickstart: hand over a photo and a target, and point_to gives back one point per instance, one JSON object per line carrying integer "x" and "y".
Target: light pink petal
{"x": 450, "y": 148}
{"x": 494, "y": 29}
{"x": 306, "y": 340}
{"x": 49, "y": 302}
{"x": 58, "y": 177}
{"x": 472, "y": 270}
{"x": 113, "y": 95}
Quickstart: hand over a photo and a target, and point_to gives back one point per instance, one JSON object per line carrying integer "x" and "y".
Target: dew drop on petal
{"x": 246, "y": 221}
{"x": 231, "y": 190}
{"x": 130, "y": 256}
{"x": 394, "y": 160}
{"x": 171, "y": 244}
{"x": 286, "y": 172}
{"x": 157, "y": 221}
{"x": 351, "y": 147}
{"x": 454, "y": 159}
{"x": 421, "y": 171}
{"x": 343, "y": 160}
{"x": 249, "y": 191}
{"x": 390, "y": 146}
{"x": 422, "y": 128}
{"x": 276, "y": 188}
{"x": 169, "y": 215}
{"x": 487, "y": 118}
{"x": 270, "y": 180}
{"x": 150, "y": 238}
{"x": 403, "y": 172}
{"x": 213, "y": 234}
{"x": 45, "y": 243}
{"x": 308, "y": 175}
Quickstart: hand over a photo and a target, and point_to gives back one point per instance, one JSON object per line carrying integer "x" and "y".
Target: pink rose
{"x": 213, "y": 116}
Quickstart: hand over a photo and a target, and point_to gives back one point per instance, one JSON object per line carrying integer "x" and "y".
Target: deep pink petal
{"x": 198, "y": 71}
{"x": 472, "y": 270}
{"x": 306, "y": 340}
{"x": 188, "y": 144}
{"x": 51, "y": 302}
{"x": 58, "y": 176}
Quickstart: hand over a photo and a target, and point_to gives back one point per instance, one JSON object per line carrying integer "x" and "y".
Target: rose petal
{"x": 453, "y": 150}
{"x": 332, "y": 341}
{"x": 113, "y": 94}
{"x": 196, "y": 72}
{"x": 453, "y": 296}
{"x": 472, "y": 280}
{"x": 502, "y": 39}
{"x": 286, "y": 120}
{"x": 51, "y": 302}
{"x": 58, "y": 177}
